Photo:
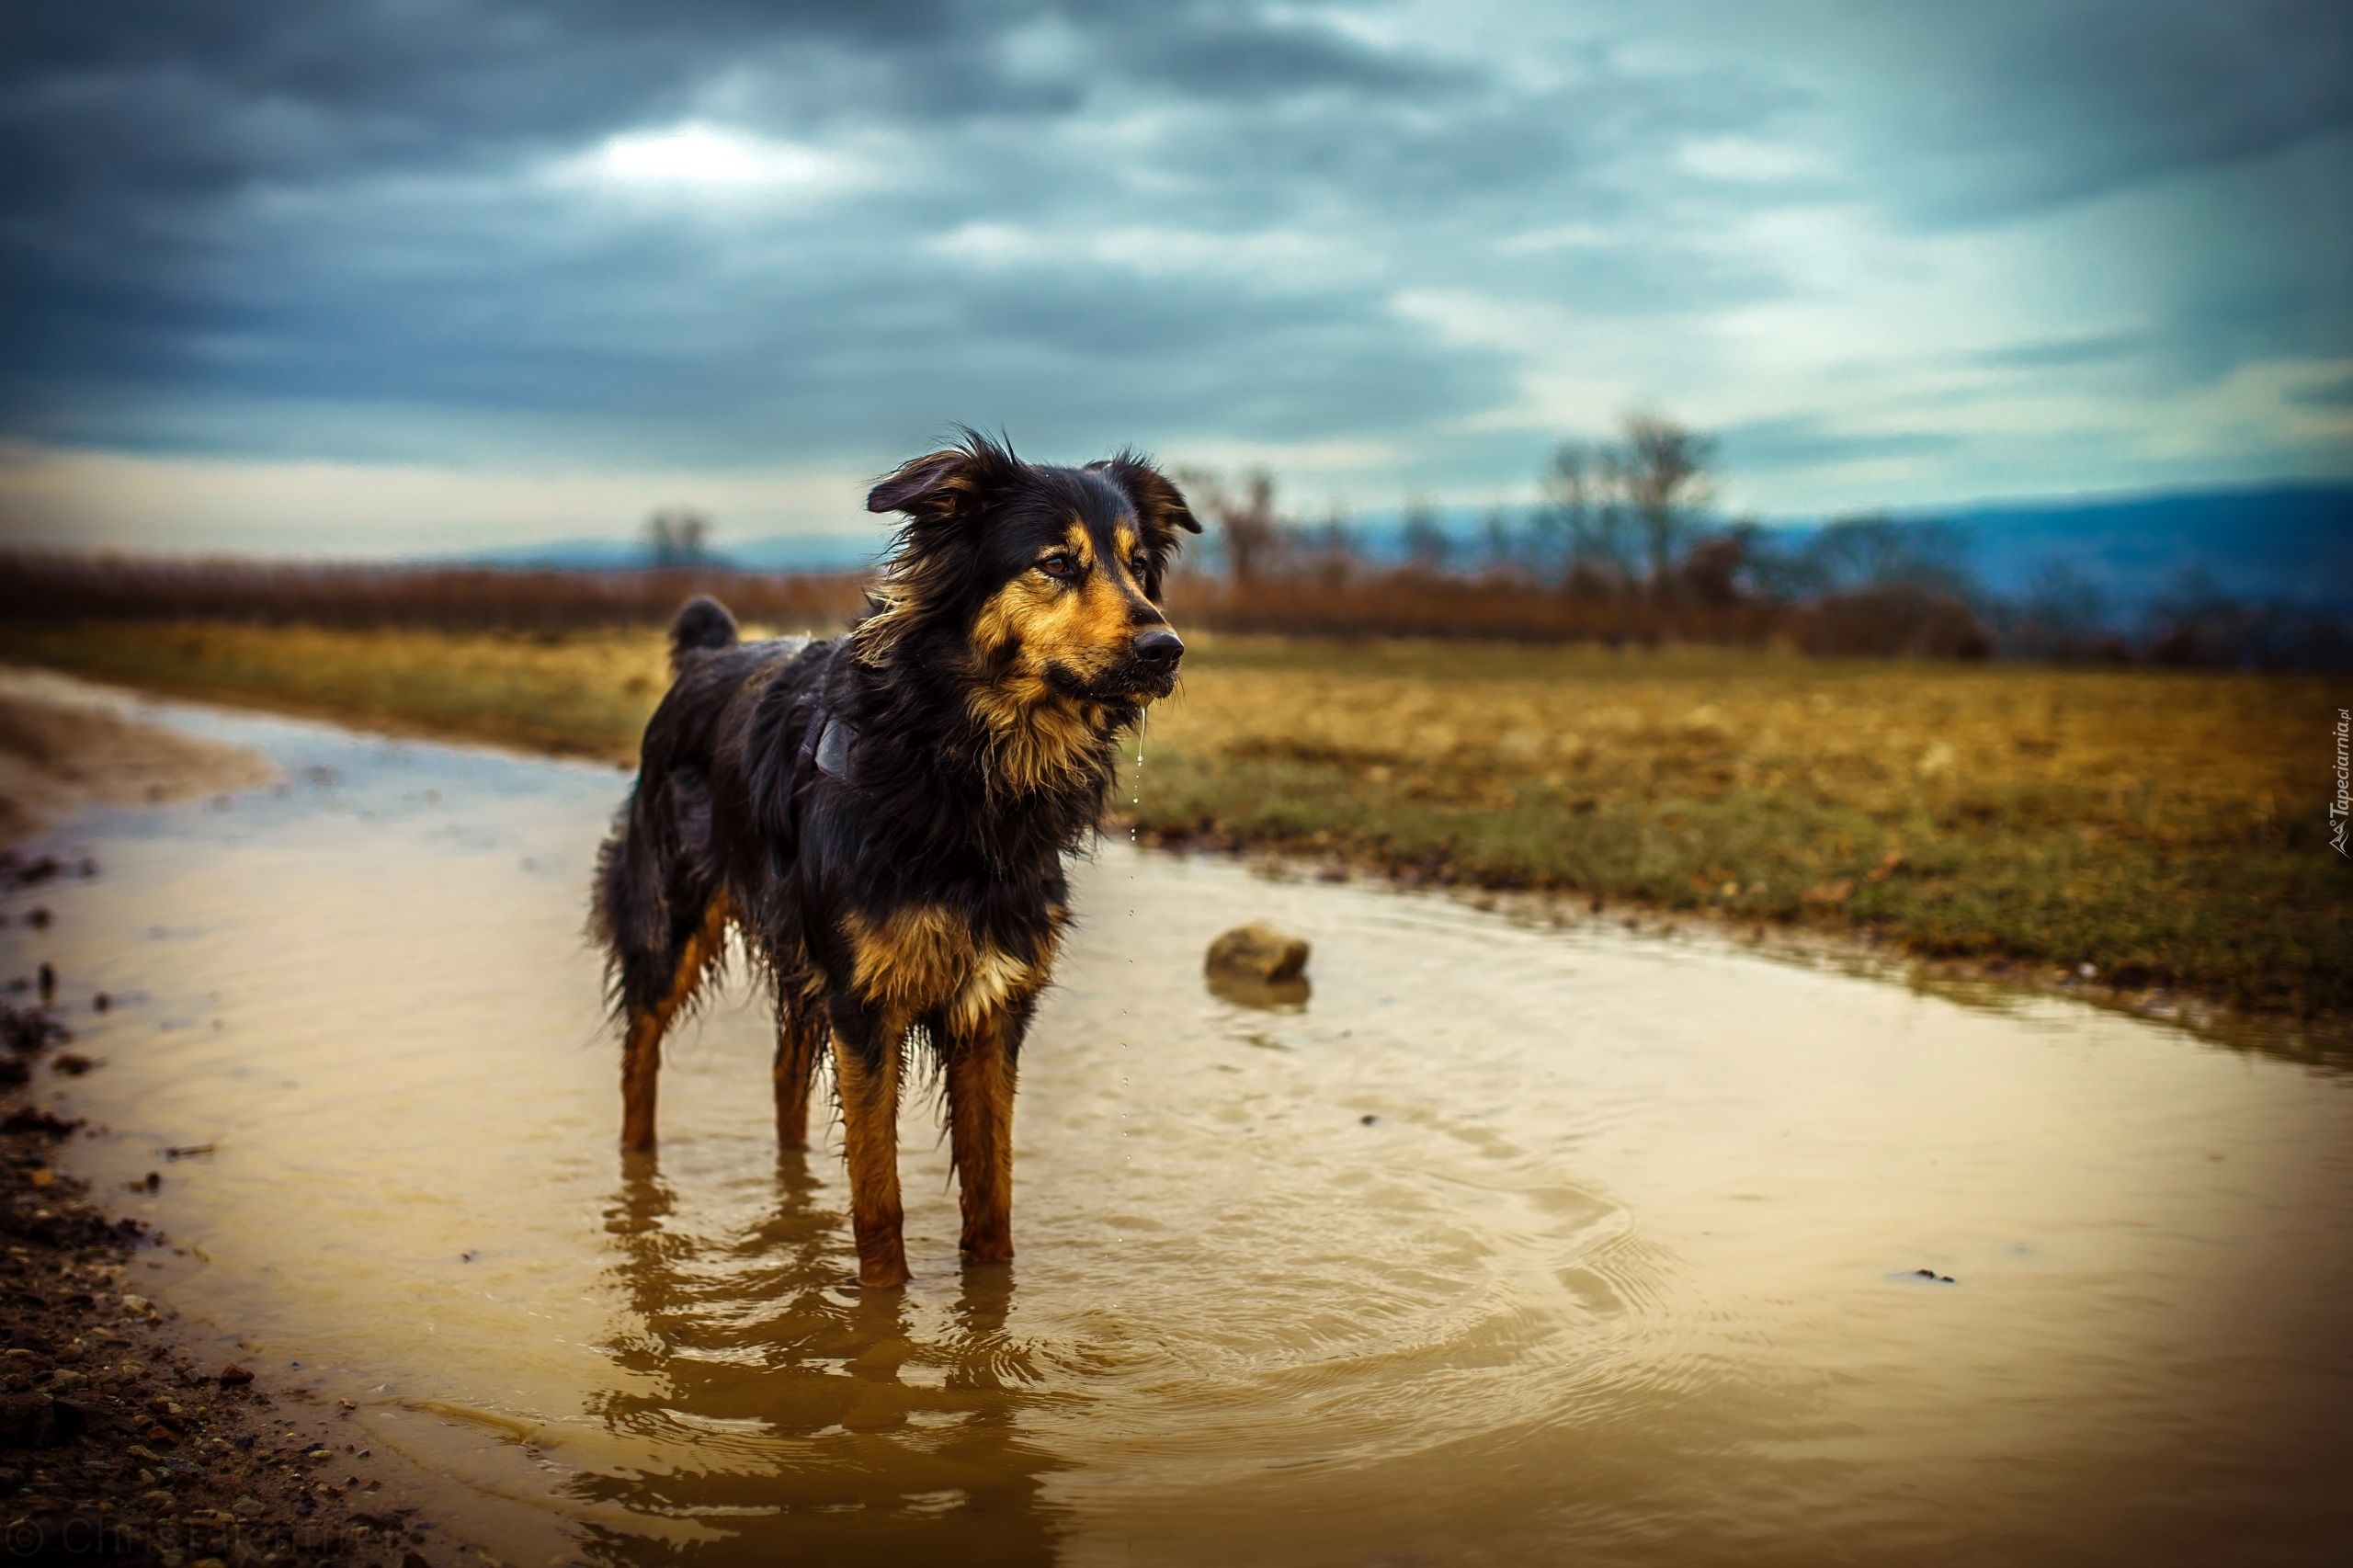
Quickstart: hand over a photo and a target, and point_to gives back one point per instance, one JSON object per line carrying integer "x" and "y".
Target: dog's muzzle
{"x": 1155, "y": 657}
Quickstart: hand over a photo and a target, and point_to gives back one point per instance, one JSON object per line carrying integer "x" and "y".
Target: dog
{"x": 886, "y": 817}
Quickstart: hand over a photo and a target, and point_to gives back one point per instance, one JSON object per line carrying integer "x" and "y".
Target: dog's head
{"x": 1046, "y": 581}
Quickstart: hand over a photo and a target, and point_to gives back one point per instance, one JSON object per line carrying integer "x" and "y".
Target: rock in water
{"x": 1257, "y": 952}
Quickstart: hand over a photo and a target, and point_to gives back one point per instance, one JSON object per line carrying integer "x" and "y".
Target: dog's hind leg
{"x": 867, "y": 1048}
{"x": 650, "y": 1010}
{"x": 981, "y": 1058}
{"x": 800, "y": 1037}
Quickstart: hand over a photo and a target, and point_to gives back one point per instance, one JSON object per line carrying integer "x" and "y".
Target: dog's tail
{"x": 702, "y": 622}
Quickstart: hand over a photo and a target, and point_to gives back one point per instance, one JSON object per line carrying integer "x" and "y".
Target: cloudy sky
{"x": 420, "y": 275}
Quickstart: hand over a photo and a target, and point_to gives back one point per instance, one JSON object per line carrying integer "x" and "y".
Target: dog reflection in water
{"x": 756, "y": 1395}
{"x": 884, "y": 816}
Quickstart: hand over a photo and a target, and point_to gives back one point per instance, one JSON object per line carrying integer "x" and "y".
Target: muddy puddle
{"x": 1511, "y": 1244}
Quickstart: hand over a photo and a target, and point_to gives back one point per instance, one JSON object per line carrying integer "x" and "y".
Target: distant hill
{"x": 2290, "y": 542}
{"x": 2284, "y": 542}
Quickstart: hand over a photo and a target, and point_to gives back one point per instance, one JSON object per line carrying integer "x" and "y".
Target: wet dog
{"x": 884, "y": 816}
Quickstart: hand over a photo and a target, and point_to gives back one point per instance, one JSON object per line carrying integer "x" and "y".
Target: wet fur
{"x": 924, "y": 897}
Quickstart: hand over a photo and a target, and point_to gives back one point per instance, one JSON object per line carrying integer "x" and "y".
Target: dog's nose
{"x": 1158, "y": 645}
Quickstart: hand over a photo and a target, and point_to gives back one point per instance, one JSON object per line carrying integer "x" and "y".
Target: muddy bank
{"x": 125, "y": 1436}
{"x": 59, "y": 755}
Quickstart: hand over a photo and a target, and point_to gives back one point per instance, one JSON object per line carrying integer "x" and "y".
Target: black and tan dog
{"x": 884, "y": 816}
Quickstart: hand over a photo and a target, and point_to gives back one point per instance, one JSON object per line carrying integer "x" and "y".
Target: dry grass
{"x": 2167, "y": 827}
{"x": 41, "y": 586}
{"x": 584, "y": 694}
{"x": 1406, "y": 602}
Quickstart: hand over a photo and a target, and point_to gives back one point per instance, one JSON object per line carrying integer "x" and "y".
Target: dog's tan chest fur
{"x": 925, "y": 960}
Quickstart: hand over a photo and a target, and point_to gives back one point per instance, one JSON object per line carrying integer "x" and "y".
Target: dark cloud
{"x": 1813, "y": 441}
{"x": 283, "y": 231}
{"x": 2333, "y": 396}
{"x": 2062, "y": 353}
{"x": 152, "y": 157}
{"x": 1965, "y": 115}
{"x": 1230, "y": 53}
{"x": 2086, "y": 98}
{"x": 273, "y": 208}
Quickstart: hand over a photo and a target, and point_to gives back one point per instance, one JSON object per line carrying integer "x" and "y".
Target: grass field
{"x": 2168, "y": 828}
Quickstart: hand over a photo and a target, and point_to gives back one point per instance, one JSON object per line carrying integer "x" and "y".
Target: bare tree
{"x": 1580, "y": 528}
{"x": 1622, "y": 511}
{"x": 1873, "y": 550}
{"x": 1500, "y": 540}
{"x": 2063, "y": 614}
{"x": 1661, "y": 468}
{"x": 1329, "y": 548}
{"x": 1426, "y": 544}
{"x": 1250, "y": 529}
{"x": 678, "y": 536}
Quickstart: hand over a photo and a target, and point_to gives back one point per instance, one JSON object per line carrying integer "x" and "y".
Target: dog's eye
{"x": 1061, "y": 566}
{"x": 1140, "y": 566}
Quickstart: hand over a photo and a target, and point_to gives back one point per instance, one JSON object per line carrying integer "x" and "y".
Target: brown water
{"x": 1512, "y": 1244}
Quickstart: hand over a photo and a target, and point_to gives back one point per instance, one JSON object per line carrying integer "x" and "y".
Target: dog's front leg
{"x": 866, "y": 1047}
{"x": 981, "y": 1061}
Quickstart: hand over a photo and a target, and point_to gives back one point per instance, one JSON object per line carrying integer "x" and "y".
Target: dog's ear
{"x": 944, "y": 494}
{"x": 1158, "y": 503}
{"x": 939, "y": 485}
